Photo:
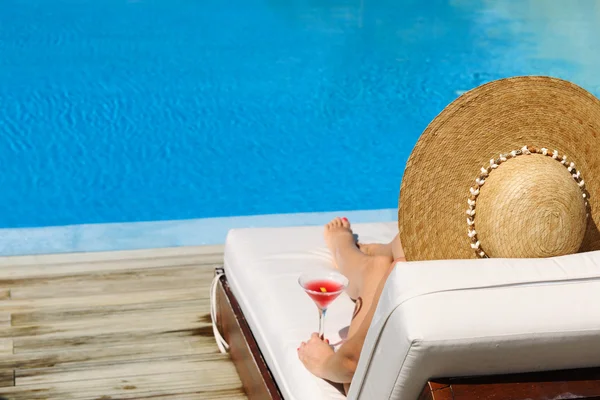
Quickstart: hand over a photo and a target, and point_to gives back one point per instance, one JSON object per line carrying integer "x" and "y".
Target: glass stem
{"x": 322, "y": 322}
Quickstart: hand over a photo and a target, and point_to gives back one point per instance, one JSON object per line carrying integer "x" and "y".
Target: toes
{"x": 338, "y": 223}
{"x": 334, "y": 223}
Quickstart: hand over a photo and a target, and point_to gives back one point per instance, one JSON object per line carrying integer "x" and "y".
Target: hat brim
{"x": 493, "y": 119}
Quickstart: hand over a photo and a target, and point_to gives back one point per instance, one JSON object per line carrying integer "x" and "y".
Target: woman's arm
{"x": 339, "y": 366}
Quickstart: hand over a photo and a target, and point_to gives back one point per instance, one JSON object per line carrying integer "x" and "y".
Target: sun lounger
{"x": 438, "y": 325}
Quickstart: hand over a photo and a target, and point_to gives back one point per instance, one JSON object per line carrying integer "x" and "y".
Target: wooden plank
{"x": 4, "y": 294}
{"x": 165, "y": 271}
{"x": 5, "y": 319}
{"x": 105, "y": 338}
{"x": 6, "y": 347}
{"x": 443, "y": 394}
{"x": 186, "y": 309}
{"x": 157, "y": 320}
{"x": 54, "y": 304}
{"x": 43, "y": 271}
{"x": 436, "y": 391}
{"x": 108, "y": 256}
{"x": 118, "y": 353}
{"x": 577, "y": 383}
{"x": 193, "y": 394}
{"x": 49, "y": 292}
{"x": 426, "y": 394}
{"x": 216, "y": 377}
{"x": 527, "y": 390}
{"x": 190, "y": 268}
{"x": 78, "y": 314}
{"x": 233, "y": 394}
{"x": 101, "y": 370}
{"x": 7, "y": 378}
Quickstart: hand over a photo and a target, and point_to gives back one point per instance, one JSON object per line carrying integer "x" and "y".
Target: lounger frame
{"x": 258, "y": 382}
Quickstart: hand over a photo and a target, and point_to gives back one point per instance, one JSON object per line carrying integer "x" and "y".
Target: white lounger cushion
{"x": 435, "y": 319}
{"x": 480, "y": 317}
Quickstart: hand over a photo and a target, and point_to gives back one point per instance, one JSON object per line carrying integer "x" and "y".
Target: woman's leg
{"x": 373, "y": 282}
{"x": 367, "y": 276}
{"x": 348, "y": 258}
{"x": 376, "y": 249}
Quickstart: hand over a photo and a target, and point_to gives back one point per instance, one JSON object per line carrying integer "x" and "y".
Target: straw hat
{"x": 509, "y": 169}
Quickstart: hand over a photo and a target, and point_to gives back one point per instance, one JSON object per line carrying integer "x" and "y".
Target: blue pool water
{"x": 125, "y": 111}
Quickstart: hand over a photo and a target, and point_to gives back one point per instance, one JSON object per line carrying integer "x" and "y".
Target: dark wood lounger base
{"x": 259, "y": 384}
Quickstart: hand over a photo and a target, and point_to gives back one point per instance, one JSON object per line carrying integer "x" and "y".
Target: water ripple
{"x": 129, "y": 111}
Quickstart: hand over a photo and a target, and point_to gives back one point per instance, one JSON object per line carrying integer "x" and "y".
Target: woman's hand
{"x": 314, "y": 354}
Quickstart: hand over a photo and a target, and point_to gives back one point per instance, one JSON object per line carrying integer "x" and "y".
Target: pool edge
{"x": 160, "y": 234}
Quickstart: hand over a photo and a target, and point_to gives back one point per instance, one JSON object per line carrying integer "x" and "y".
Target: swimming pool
{"x": 156, "y": 110}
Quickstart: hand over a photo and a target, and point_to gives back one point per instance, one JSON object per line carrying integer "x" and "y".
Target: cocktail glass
{"x": 323, "y": 287}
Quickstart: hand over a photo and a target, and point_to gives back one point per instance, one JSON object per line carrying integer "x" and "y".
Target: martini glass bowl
{"x": 323, "y": 287}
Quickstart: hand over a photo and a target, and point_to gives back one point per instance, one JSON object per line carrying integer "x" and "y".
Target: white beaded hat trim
{"x": 494, "y": 163}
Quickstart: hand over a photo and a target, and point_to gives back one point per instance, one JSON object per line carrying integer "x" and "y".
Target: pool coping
{"x": 160, "y": 234}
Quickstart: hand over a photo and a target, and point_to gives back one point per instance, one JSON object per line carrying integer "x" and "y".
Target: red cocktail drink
{"x": 323, "y": 287}
{"x": 323, "y": 292}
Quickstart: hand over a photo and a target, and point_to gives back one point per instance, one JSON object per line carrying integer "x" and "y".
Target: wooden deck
{"x": 115, "y": 325}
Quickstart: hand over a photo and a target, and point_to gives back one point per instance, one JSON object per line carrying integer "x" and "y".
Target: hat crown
{"x": 530, "y": 207}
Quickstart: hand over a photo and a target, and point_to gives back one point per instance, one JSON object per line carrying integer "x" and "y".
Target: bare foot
{"x": 346, "y": 255}
{"x": 376, "y": 249}
{"x": 338, "y": 234}
{"x": 348, "y": 258}
{"x": 341, "y": 226}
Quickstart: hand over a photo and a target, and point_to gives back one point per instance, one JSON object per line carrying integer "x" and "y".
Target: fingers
{"x": 313, "y": 337}
{"x": 301, "y": 346}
